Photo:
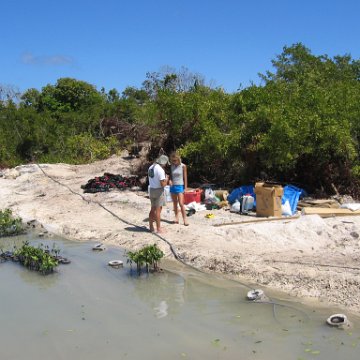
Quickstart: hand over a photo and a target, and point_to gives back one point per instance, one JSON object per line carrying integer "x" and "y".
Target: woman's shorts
{"x": 157, "y": 197}
{"x": 177, "y": 189}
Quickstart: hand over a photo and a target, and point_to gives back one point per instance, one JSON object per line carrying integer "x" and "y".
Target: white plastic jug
{"x": 167, "y": 193}
{"x": 247, "y": 203}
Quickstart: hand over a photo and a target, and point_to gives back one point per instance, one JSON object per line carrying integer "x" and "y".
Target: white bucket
{"x": 167, "y": 193}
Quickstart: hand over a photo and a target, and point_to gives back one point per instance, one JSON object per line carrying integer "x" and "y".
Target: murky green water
{"x": 88, "y": 310}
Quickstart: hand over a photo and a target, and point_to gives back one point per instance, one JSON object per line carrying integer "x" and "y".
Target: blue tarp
{"x": 292, "y": 194}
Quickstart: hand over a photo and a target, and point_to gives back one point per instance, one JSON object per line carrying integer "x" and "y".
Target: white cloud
{"x": 55, "y": 60}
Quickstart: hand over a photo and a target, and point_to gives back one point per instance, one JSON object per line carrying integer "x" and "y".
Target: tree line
{"x": 300, "y": 125}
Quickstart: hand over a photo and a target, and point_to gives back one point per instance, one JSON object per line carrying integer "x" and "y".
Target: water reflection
{"x": 161, "y": 310}
{"x": 162, "y": 292}
{"x": 35, "y": 278}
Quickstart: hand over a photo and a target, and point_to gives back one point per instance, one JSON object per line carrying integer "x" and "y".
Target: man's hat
{"x": 162, "y": 160}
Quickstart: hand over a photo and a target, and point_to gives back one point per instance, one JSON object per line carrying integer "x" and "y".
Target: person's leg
{"x": 182, "y": 208}
{"x": 154, "y": 200}
{"x": 157, "y": 201}
{"x": 152, "y": 218}
{"x": 158, "y": 220}
{"x": 175, "y": 203}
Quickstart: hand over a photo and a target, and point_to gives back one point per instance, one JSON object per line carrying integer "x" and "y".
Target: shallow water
{"x": 88, "y": 310}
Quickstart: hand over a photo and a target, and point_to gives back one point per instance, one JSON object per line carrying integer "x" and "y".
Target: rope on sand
{"x": 173, "y": 251}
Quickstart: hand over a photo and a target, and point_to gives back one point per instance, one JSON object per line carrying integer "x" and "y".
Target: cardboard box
{"x": 268, "y": 199}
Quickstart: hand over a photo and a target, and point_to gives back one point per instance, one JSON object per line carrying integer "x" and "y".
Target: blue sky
{"x": 114, "y": 43}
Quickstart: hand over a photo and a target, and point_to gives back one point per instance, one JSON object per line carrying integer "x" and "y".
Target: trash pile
{"x": 265, "y": 198}
{"x": 109, "y": 181}
{"x": 269, "y": 199}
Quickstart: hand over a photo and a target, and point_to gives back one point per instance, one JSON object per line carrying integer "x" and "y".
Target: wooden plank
{"x": 326, "y": 212}
{"x": 324, "y": 203}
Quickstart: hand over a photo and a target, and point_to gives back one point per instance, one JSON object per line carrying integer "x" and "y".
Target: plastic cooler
{"x": 192, "y": 195}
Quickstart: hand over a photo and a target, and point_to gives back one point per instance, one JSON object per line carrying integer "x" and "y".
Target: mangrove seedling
{"x": 149, "y": 255}
{"x": 36, "y": 258}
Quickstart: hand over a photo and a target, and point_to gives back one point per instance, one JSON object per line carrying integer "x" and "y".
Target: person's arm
{"x": 185, "y": 177}
{"x": 170, "y": 178}
{"x": 165, "y": 181}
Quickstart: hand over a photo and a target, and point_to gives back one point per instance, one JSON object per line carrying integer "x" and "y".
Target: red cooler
{"x": 192, "y": 195}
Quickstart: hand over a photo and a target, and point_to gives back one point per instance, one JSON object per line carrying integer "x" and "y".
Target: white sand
{"x": 309, "y": 257}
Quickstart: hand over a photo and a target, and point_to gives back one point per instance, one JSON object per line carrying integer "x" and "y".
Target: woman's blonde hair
{"x": 175, "y": 156}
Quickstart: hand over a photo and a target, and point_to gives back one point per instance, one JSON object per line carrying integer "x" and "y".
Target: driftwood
{"x": 312, "y": 264}
{"x": 258, "y": 220}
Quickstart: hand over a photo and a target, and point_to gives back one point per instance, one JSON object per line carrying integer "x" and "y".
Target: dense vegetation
{"x": 301, "y": 125}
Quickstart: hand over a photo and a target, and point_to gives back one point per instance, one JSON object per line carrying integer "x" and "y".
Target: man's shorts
{"x": 157, "y": 197}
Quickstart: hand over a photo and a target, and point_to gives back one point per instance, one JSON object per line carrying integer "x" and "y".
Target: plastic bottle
{"x": 167, "y": 213}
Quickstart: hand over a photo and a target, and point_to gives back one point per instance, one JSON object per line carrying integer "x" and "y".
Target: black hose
{"x": 175, "y": 254}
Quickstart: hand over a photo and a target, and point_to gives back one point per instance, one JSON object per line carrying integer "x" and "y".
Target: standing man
{"x": 157, "y": 181}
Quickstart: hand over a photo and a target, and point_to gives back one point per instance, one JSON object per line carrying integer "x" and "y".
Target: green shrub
{"x": 85, "y": 147}
{"x": 10, "y": 225}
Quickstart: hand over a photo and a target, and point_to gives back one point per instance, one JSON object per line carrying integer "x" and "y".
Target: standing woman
{"x": 178, "y": 184}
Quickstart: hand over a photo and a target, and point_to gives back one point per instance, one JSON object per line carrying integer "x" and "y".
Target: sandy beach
{"x": 309, "y": 257}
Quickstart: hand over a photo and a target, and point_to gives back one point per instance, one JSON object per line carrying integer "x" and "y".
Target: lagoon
{"x": 89, "y": 310}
